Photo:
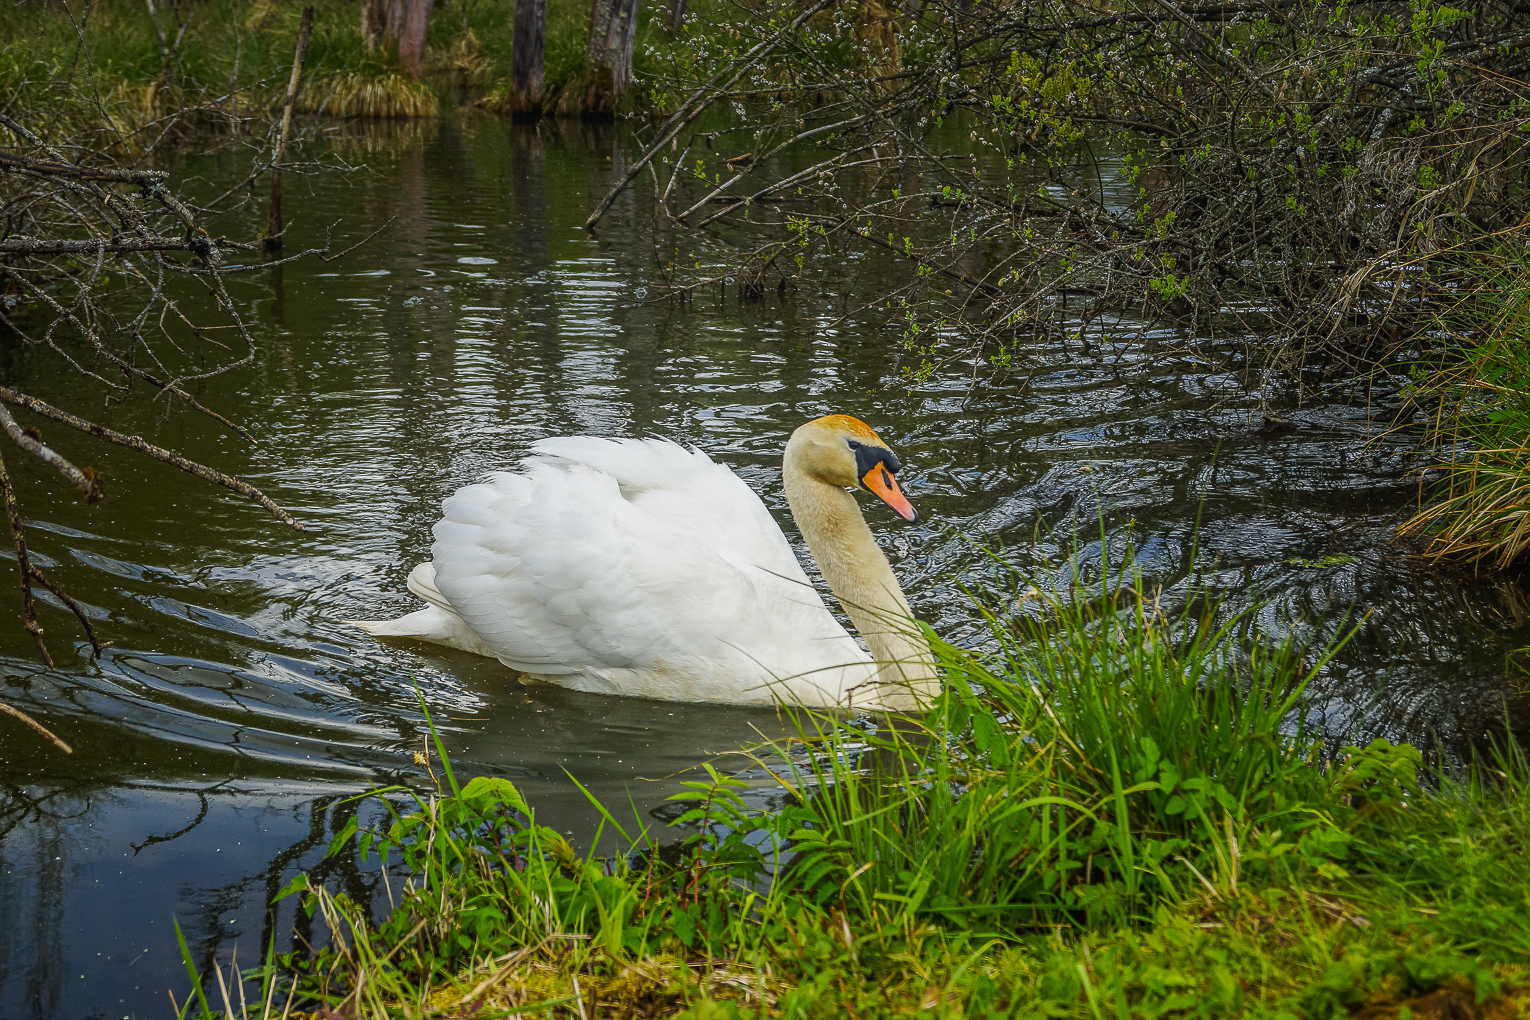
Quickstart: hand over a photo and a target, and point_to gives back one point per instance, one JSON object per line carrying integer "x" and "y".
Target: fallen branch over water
{"x": 68, "y": 226}
{"x": 139, "y": 445}
{"x": 46, "y": 733}
{"x": 18, "y": 245}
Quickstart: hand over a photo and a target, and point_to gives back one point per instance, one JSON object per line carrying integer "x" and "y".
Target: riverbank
{"x": 227, "y": 63}
{"x": 1115, "y": 811}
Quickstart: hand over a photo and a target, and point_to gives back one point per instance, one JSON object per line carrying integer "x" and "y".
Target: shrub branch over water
{"x": 90, "y": 285}
{"x": 1292, "y": 170}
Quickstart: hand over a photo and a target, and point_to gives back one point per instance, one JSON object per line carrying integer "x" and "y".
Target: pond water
{"x": 219, "y": 737}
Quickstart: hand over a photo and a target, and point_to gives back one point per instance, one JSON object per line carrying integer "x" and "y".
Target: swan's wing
{"x": 602, "y": 555}
{"x": 704, "y": 499}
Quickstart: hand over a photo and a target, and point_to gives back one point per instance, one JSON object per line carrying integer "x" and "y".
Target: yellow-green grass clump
{"x": 381, "y": 94}
{"x": 1480, "y": 390}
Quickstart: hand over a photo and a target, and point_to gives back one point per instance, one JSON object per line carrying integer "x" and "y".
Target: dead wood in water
{"x": 274, "y": 214}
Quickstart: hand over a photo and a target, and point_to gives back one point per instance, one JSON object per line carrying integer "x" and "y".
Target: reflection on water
{"x": 220, "y": 735}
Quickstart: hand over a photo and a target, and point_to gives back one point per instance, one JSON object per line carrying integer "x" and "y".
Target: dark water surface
{"x": 220, "y": 734}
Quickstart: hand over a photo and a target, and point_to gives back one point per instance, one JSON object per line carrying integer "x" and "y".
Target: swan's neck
{"x": 865, "y": 585}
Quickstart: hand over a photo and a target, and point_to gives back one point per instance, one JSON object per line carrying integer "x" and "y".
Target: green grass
{"x": 1479, "y": 385}
{"x": 235, "y": 59}
{"x": 1112, "y": 812}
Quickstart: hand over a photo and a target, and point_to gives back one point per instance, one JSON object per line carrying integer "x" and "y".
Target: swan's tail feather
{"x": 421, "y": 624}
{"x": 438, "y": 622}
{"x": 422, "y": 581}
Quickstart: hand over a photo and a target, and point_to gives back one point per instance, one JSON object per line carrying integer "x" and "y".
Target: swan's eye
{"x": 853, "y": 444}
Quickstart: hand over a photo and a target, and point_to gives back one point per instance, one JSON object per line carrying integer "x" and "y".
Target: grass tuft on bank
{"x": 1114, "y": 810}
{"x": 1478, "y": 384}
{"x": 379, "y": 93}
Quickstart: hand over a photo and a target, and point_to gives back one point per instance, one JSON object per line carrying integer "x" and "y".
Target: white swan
{"x": 639, "y": 567}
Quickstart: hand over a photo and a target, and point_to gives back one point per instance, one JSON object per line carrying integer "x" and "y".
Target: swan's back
{"x": 638, "y": 567}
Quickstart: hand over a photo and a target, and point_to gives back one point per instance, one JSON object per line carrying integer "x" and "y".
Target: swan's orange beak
{"x": 880, "y": 482}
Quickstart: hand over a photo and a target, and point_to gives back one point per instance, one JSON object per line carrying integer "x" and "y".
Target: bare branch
{"x": 697, "y": 104}
{"x": 21, "y": 245}
{"x": 25, "y": 570}
{"x": 46, "y": 733}
{"x": 89, "y": 484}
{"x": 143, "y": 178}
{"x": 148, "y": 449}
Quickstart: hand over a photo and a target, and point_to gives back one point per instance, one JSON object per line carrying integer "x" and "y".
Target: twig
{"x": 121, "y": 244}
{"x": 678, "y": 163}
{"x": 788, "y": 182}
{"x": 866, "y": 234}
{"x": 666, "y": 133}
{"x": 49, "y": 168}
{"x": 323, "y": 255}
{"x": 46, "y": 733}
{"x": 274, "y": 214}
{"x": 89, "y": 484}
{"x": 29, "y": 572}
{"x": 23, "y": 563}
{"x": 126, "y": 367}
{"x": 136, "y": 443}
{"x": 197, "y": 238}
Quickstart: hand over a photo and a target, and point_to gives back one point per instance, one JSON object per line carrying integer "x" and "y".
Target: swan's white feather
{"x": 422, "y": 581}
{"x": 635, "y": 567}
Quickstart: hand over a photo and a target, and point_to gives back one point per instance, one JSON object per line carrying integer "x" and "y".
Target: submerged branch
{"x": 42, "y": 730}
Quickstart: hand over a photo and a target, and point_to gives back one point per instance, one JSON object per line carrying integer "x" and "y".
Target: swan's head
{"x": 844, "y": 451}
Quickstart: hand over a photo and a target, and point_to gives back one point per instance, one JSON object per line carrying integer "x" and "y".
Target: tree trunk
{"x": 676, "y": 15}
{"x": 608, "y": 55}
{"x": 375, "y": 26}
{"x": 526, "y": 60}
{"x": 411, "y": 40}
